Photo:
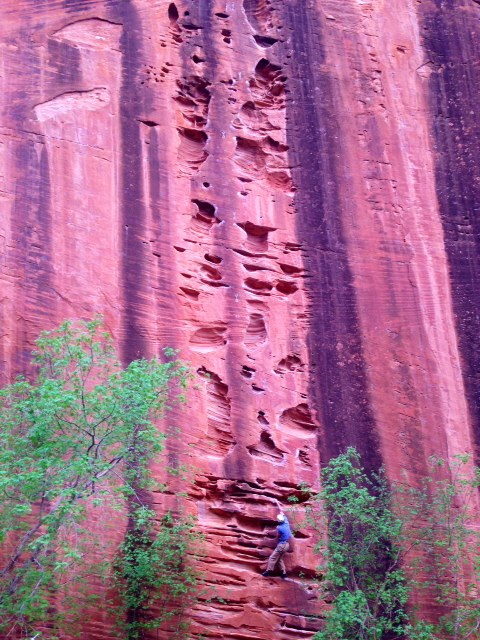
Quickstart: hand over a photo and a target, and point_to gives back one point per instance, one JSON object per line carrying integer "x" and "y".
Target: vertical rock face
{"x": 284, "y": 190}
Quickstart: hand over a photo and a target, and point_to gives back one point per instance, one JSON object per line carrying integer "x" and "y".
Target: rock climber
{"x": 283, "y": 545}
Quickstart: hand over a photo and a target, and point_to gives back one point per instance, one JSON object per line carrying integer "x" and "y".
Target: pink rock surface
{"x": 263, "y": 185}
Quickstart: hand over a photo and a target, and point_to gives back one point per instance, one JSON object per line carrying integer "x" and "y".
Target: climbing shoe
{"x": 283, "y": 576}
{"x": 267, "y": 574}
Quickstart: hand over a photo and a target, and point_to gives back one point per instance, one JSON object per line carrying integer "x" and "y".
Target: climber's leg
{"x": 276, "y": 557}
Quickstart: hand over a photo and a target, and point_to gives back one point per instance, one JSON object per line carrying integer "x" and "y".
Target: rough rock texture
{"x": 285, "y": 190}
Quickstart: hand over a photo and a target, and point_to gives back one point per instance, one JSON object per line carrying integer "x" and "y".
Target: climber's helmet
{"x": 281, "y": 517}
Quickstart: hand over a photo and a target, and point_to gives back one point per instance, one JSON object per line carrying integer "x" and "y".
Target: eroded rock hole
{"x": 211, "y": 272}
{"x": 212, "y": 258}
{"x": 298, "y": 419}
{"x": 247, "y": 372}
{"x": 173, "y": 14}
{"x": 205, "y": 213}
{"x": 191, "y": 152}
{"x": 262, "y": 419}
{"x": 286, "y": 288}
{"x": 304, "y": 456}
{"x": 219, "y": 438}
{"x": 290, "y": 363}
{"x": 266, "y": 448}
{"x": 208, "y": 338}
{"x": 256, "y": 333}
{"x": 265, "y": 41}
{"x": 289, "y": 269}
{"x": 191, "y": 293}
{"x": 258, "y": 286}
{"x": 257, "y": 235}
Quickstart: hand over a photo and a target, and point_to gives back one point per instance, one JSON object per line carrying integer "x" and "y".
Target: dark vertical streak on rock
{"x": 64, "y": 64}
{"x": 338, "y": 382}
{"x": 133, "y": 216}
{"x": 451, "y": 38}
{"x": 32, "y": 246}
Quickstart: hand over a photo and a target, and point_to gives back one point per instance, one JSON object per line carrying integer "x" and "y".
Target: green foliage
{"x": 431, "y": 535}
{"x": 361, "y": 558}
{"x": 81, "y": 432}
{"x": 442, "y": 514}
{"x": 152, "y": 578}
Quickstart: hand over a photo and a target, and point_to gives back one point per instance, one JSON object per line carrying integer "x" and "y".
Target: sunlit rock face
{"x": 286, "y": 191}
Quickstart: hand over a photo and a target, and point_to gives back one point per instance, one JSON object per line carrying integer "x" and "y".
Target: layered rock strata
{"x": 286, "y": 192}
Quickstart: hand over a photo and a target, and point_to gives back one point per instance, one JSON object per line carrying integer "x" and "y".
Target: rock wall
{"x": 284, "y": 190}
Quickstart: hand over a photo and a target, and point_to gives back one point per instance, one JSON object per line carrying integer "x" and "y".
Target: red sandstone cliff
{"x": 285, "y": 190}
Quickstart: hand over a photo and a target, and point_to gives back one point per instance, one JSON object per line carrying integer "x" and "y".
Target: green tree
{"x": 154, "y": 582}
{"x": 361, "y": 555}
{"x": 82, "y": 430}
{"x": 374, "y": 535}
{"x": 442, "y": 516}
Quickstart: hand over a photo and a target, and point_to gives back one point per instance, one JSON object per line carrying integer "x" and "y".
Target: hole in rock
{"x": 196, "y": 59}
{"x": 257, "y": 235}
{"x": 255, "y": 267}
{"x": 247, "y": 372}
{"x": 250, "y": 156}
{"x": 190, "y": 26}
{"x": 257, "y": 389}
{"x": 258, "y": 286}
{"x": 180, "y": 249}
{"x": 304, "y": 456}
{"x": 149, "y": 123}
{"x": 259, "y": 14}
{"x": 249, "y": 254}
{"x": 173, "y": 14}
{"x": 266, "y": 449}
{"x": 206, "y": 185}
{"x": 205, "y": 216}
{"x": 276, "y": 146}
{"x": 208, "y": 338}
{"x": 256, "y": 330}
{"x": 214, "y": 259}
{"x": 220, "y": 14}
{"x": 287, "y": 288}
{"x": 219, "y": 440}
{"x": 268, "y": 86}
{"x": 211, "y": 272}
{"x": 290, "y": 363}
{"x": 191, "y": 293}
{"x": 191, "y": 151}
{"x": 207, "y": 209}
{"x": 265, "y": 41}
{"x": 298, "y": 419}
{"x": 289, "y": 269}
{"x": 261, "y": 418}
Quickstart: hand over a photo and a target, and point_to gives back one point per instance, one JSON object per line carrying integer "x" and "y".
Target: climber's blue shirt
{"x": 284, "y": 531}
